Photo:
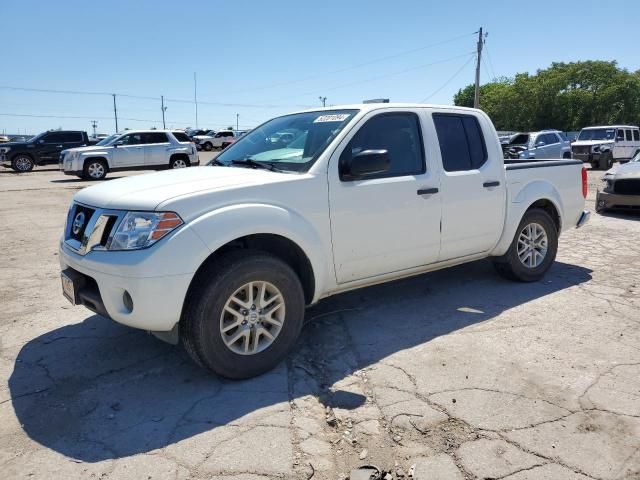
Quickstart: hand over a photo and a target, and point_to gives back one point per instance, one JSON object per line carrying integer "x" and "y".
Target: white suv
{"x": 601, "y": 146}
{"x": 220, "y": 139}
{"x": 131, "y": 150}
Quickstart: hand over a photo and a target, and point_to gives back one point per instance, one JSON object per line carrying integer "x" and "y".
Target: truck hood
{"x": 628, "y": 170}
{"x": 146, "y": 192}
{"x": 584, "y": 143}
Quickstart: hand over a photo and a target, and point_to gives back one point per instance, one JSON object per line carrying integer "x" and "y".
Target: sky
{"x": 258, "y": 59}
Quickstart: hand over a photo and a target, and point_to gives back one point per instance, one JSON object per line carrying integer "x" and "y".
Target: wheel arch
{"x": 537, "y": 194}
{"x": 178, "y": 155}
{"x": 273, "y": 229}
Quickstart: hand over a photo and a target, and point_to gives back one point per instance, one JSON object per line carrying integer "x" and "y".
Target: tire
{"x": 511, "y": 266}
{"x": 566, "y": 155}
{"x": 606, "y": 161}
{"x": 22, "y": 163}
{"x": 207, "y": 146}
{"x": 94, "y": 169}
{"x": 178, "y": 163}
{"x": 594, "y": 166}
{"x": 205, "y": 317}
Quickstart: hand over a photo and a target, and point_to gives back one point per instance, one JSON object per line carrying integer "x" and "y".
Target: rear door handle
{"x": 495, "y": 183}
{"x": 427, "y": 191}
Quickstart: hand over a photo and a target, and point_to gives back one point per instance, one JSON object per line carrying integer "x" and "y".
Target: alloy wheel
{"x": 532, "y": 245}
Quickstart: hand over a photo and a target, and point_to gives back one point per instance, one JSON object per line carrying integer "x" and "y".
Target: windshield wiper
{"x": 216, "y": 162}
{"x": 254, "y": 164}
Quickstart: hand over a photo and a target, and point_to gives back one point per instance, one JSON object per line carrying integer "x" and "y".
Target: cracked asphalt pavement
{"x": 451, "y": 375}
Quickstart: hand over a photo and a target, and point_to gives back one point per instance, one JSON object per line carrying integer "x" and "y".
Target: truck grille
{"x": 627, "y": 186}
{"x": 580, "y": 149}
{"x": 90, "y": 228}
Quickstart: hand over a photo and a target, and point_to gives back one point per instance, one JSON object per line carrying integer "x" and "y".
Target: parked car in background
{"x": 545, "y": 144}
{"x": 225, "y": 258}
{"x": 133, "y": 149}
{"x": 4, "y": 139}
{"x": 41, "y": 149}
{"x": 219, "y": 139}
{"x": 620, "y": 188}
{"x": 602, "y": 146}
{"x": 194, "y": 133}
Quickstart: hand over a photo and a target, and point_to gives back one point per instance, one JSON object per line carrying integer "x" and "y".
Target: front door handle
{"x": 494, "y": 183}
{"x": 59, "y": 146}
{"x": 427, "y": 191}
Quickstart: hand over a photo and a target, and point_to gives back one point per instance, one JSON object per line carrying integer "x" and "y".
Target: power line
{"x": 490, "y": 62}
{"x": 373, "y": 79}
{"x": 352, "y": 67}
{"x": 449, "y": 80}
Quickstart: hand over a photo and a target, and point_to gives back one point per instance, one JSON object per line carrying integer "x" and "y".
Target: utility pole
{"x": 476, "y": 98}
{"x": 237, "y": 120}
{"x": 115, "y": 111}
{"x": 94, "y": 124}
{"x": 164, "y": 109}
{"x": 323, "y": 100}
{"x": 195, "y": 96}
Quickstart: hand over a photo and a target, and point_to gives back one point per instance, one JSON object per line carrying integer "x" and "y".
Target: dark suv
{"x": 41, "y": 149}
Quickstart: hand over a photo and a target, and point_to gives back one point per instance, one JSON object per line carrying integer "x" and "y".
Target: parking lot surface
{"x": 450, "y": 375}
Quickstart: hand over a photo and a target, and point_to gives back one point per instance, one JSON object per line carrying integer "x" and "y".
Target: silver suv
{"x": 537, "y": 145}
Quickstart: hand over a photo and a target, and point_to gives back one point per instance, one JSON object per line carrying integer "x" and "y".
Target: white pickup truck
{"x": 130, "y": 150}
{"x": 225, "y": 257}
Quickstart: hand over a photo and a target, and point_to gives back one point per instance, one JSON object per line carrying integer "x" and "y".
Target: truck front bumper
{"x": 143, "y": 289}
{"x": 610, "y": 201}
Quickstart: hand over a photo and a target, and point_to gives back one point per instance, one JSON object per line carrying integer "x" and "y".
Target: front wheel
{"x": 533, "y": 249}
{"x": 244, "y": 314}
{"x": 95, "y": 170}
{"x": 22, "y": 163}
{"x": 606, "y": 161}
{"x": 208, "y": 146}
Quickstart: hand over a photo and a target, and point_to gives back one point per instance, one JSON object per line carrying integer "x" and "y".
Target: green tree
{"x": 566, "y": 96}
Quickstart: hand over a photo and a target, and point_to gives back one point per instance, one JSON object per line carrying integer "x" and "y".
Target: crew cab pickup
{"x": 225, "y": 257}
{"x": 41, "y": 149}
{"x": 133, "y": 149}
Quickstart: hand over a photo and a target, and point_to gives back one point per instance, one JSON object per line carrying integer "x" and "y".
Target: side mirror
{"x": 540, "y": 144}
{"x": 118, "y": 143}
{"x": 364, "y": 164}
{"x": 41, "y": 141}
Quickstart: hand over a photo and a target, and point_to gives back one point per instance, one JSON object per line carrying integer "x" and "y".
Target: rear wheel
{"x": 94, "y": 169}
{"x": 22, "y": 163}
{"x": 244, "y": 314}
{"x": 533, "y": 249}
{"x": 178, "y": 162}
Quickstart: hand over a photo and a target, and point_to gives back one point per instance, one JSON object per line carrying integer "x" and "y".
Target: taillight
{"x": 584, "y": 182}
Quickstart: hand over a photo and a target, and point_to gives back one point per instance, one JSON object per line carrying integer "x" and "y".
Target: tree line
{"x": 565, "y": 96}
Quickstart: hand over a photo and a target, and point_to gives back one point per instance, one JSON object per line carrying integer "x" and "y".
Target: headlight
{"x": 143, "y": 229}
{"x": 595, "y": 148}
{"x": 4, "y": 149}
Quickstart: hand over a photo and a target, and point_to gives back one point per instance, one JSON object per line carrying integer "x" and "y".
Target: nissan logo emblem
{"x": 78, "y": 223}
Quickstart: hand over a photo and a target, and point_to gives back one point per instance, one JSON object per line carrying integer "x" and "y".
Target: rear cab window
{"x": 461, "y": 141}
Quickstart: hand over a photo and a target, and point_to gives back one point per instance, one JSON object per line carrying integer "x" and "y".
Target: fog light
{"x": 128, "y": 301}
{"x": 601, "y": 203}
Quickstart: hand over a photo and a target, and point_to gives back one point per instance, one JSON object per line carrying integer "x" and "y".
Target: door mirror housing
{"x": 118, "y": 143}
{"x": 540, "y": 144}
{"x": 364, "y": 164}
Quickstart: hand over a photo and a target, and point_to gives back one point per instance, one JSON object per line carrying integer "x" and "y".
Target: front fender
{"x": 521, "y": 197}
{"x": 229, "y": 223}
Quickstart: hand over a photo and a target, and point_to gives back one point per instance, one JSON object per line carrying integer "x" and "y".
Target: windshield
{"x": 636, "y": 158}
{"x": 597, "y": 134}
{"x": 108, "y": 140}
{"x": 290, "y": 143}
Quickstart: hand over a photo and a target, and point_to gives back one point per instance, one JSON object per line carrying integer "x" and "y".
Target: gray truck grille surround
{"x": 629, "y": 186}
{"x": 90, "y": 228}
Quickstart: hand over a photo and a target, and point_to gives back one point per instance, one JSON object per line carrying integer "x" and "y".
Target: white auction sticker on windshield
{"x": 340, "y": 117}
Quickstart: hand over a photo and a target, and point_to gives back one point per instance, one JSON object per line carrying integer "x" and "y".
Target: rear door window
{"x": 154, "y": 137}
{"x": 461, "y": 142}
{"x": 629, "y": 137}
